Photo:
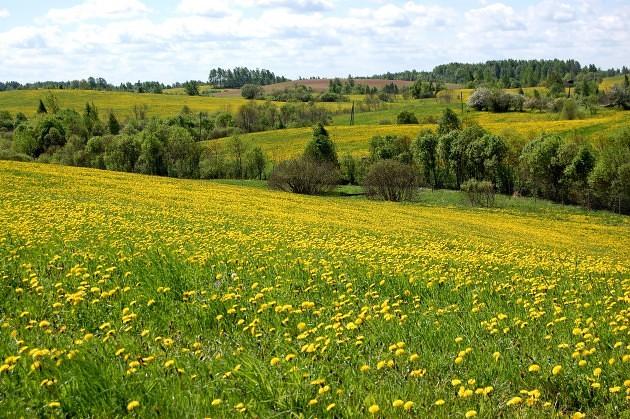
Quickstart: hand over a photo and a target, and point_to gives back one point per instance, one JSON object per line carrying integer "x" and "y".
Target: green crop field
{"x": 178, "y": 298}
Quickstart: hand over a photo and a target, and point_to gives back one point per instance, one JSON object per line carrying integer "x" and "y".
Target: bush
{"x": 304, "y": 176}
{"x": 406, "y": 117}
{"x": 480, "y": 193}
{"x": 14, "y": 156}
{"x": 252, "y": 91}
{"x": 390, "y": 180}
{"x": 569, "y": 110}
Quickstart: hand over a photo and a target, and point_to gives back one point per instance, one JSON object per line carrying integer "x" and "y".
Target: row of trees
{"x": 91, "y": 83}
{"x": 473, "y": 160}
{"x": 506, "y": 73}
{"x": 239, "y": 76}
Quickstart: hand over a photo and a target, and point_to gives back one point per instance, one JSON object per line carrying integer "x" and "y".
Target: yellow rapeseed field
{"x": 123, "y": 294}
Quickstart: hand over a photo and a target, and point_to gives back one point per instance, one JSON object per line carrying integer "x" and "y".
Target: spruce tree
{"x": 114, "y": 125}
{"x": 41, "y": 108}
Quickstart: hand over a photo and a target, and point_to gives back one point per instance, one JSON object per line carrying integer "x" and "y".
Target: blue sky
{"x": 127, "y": 40}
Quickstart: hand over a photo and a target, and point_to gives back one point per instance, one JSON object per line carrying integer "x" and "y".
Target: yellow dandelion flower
{"x": 133, "y": 405}
{"x": 374, "y": 409}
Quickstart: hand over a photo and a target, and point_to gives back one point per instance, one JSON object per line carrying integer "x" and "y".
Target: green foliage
{"x": 422, "y": 90}
{"x": 304, "y": 176}
{"x": 569, "y": 110}
{"x": 192, "y": 88}
{"x": 426, "y": 152}
{"x": 406, "y": 117}
{"x": 620, "y": 97}
{"x": 41, "y": 109}
{"x": 391, "y": 147}
{"x": 479, "y": 192}
{"x": 252, "y": 91}
{"x": 112, "y": 124}
{"x": 182, "y": 154}
{"x": 448, "y": 122}
{"x": 555, "y": 84}
{"x": 122, "y": 153}
{"x": 321, "y": 148}
{"x": 495, "y": 100}
{"x": 255, "y": 163}
{"x": 390, "y": 180}
{"x": 610, "y": 178}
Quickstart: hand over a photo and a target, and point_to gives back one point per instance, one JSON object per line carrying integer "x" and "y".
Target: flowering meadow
{"x": 124, "y": 294}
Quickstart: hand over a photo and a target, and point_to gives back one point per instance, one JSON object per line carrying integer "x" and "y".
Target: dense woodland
{"x": 506, "y": 73}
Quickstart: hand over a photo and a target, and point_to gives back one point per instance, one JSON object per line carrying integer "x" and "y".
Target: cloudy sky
{"x": 127, "y": 40}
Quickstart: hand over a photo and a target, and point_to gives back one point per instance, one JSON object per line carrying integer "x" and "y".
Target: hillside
{"x": 321, "y": 85}
{"x": 122, "y": 103}
{"x": 287, "y": 143}
{"x": 191, "y": 296}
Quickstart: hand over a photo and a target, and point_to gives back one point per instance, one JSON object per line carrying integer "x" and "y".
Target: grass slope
{"x": 287, "y": 143}
{"x": 124, "y": 293}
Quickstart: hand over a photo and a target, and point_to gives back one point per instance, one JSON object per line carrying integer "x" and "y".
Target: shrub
{"x": 406, "y": 117}
{"x": 569, "y": 110}
{"x": 252, "y": 91}
{"x": 479, "y": 193}
{"x": 390, "y": 180}
{"x": 321, "y": 148}
{"x": 304, "y": 176}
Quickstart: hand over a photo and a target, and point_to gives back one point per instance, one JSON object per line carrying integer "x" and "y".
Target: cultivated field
{"x": 126, "y": 294}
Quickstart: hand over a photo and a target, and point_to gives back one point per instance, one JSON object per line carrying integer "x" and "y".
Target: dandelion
{"x": 408, "y": 405}
{"x": 274, "y": 361}
{"x": 54, "y": 404}
{"x": 534, "y": 368}
{"x": 556, "y": 370}
{"x": 374, "y": 409}
{"x": 398, "y": 403}
{"x": 471, "y": 414}
{"x": 216, "y": 402}
{"x": 514, "y": 401}
{"x": 133, "y": 405}
{"x": 439, "y": 402}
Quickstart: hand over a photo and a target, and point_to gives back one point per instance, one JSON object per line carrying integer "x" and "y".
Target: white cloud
{"x": 126, "y": 41}
{"x": 202, "y": 8}
{"x": 96, "y": 9}
{"x": 4, "y": 13}
{"x": 496, "y": 16}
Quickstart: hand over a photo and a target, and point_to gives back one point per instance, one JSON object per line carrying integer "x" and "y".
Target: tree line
{"x": 464, "y": 156}
{"x": 239, "y": 76}
{"x": 505, "y": 73}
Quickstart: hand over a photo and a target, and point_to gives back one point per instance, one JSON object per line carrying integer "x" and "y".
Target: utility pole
{"x": 352, "y": 114}
{"x": 461, "y": 99}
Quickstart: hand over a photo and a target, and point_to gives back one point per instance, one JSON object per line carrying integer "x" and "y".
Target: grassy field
{"x": 287, "y": 143}
{"x": 122, "y": 103}
{"x": 125, "y": 294}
